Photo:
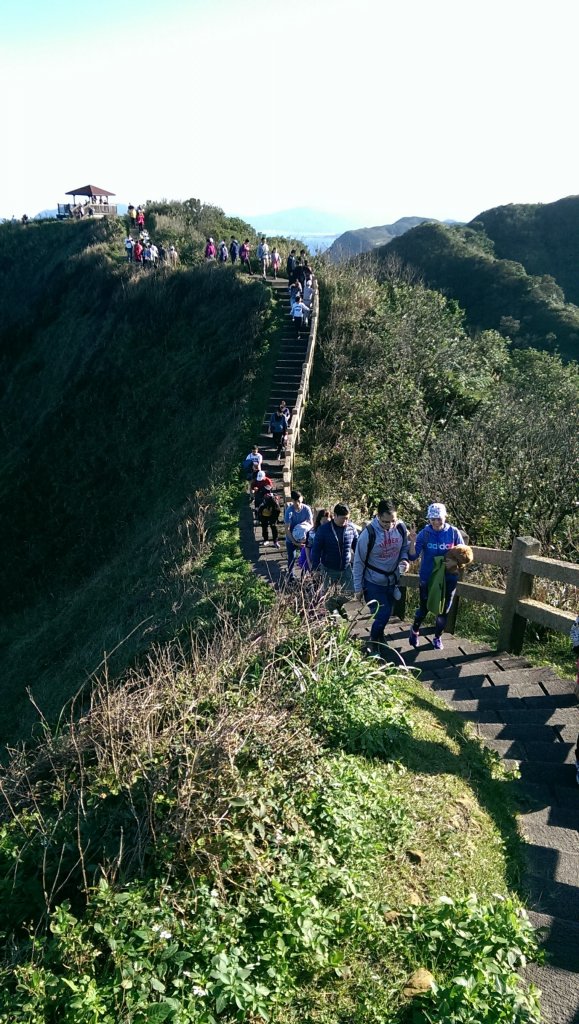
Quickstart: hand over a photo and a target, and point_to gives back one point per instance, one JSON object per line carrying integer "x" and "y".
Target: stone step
{"x": 554, "y": 752}
{"x": 560, "y": 939}
{"x": 553, "y": 865}
{"x": 547, "y": 896}
{"x": 513, "y": 731}
{"x": 551, "y": 827}
{"x": 559, "y": 992}
{"x": 547, "y": 773}
{"x": 564, "y": 717}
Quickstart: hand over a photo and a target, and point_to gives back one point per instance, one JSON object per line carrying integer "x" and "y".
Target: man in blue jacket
{"x": 333, "y": 551}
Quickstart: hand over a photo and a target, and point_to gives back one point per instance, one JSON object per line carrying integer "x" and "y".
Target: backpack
{"x": 270, "y": 505}
{"x": 372, "y": 540}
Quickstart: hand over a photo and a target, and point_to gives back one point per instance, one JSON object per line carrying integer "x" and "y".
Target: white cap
{"x": 436, "y": 511}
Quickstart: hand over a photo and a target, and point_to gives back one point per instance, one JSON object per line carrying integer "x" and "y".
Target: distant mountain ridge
{"x": 360, "y": 240}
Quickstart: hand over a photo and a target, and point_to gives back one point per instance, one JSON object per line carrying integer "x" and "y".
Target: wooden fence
{"x": 302, "y": 397}
{"x": 523, "y": 563}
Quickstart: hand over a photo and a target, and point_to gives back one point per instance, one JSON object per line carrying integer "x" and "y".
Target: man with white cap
{"x": 433, "y": 541}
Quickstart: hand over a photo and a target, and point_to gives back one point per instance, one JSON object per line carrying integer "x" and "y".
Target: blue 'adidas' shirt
{"x": 430, "y": 543}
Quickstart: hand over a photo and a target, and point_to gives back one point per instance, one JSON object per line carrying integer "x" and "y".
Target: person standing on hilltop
{"x": 234, "y": 249}
{"x": 210, "y": 250}
{"x": 263, "y": 256}
{"x": 291, "y": 266}
{"x": 244, "y": 254}
{"x": 275, "y": 260}
{"x": 434, "y": 541}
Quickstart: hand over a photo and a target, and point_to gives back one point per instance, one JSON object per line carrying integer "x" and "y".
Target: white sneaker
{"x": 266, "y": 543}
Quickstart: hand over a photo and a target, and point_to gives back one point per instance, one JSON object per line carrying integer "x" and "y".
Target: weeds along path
{"x": 529, "y": 716}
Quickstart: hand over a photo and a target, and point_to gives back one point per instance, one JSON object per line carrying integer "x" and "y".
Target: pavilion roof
{"x": 89, "y": 190}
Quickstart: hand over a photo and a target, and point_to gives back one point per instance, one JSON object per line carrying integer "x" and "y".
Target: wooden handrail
{"x": 302, "y": 397}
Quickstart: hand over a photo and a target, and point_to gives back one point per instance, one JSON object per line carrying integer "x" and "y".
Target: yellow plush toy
{"x": 457, "y": 558}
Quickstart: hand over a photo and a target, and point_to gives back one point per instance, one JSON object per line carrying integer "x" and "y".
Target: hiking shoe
{"x": 372, "y": 648}
{"x": 266, "y": 543}
{"x": 276, "y": 544}
{"x": 414, "y": 637}
{"x": 437, "y": 643}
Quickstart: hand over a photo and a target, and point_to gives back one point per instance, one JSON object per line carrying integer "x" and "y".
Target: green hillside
{"x": 544, "y": 237}
{"x": 240, "y": 817}
{"x": 123, "y": 398}
{"x": 495, "y": 293}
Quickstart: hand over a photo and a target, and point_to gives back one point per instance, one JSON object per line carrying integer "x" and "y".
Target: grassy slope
{"x": 123, "y": 401}
{"x": 457, "y": 262}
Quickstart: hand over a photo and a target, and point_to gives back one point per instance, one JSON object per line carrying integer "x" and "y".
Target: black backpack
{"x": 271, "y": 503}
{"x": 372, "y": 540}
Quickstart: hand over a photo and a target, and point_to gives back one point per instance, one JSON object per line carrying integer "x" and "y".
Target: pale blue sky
{"x": 371, "y": 108}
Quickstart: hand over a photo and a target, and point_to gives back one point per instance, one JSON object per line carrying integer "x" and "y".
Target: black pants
{"x": 266, "y": 522}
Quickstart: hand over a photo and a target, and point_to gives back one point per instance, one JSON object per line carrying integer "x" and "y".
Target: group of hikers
{"x": 143, "y": 250}
{"x": 362, "y": 562}
{"x": 236, "y": 251}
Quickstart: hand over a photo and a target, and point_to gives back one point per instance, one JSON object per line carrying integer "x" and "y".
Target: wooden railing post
{"x": 519, "y": 585}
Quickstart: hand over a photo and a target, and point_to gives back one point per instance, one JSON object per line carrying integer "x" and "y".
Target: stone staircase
{"x": 530, "y": 717}
{"x": 268, "y": 561}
